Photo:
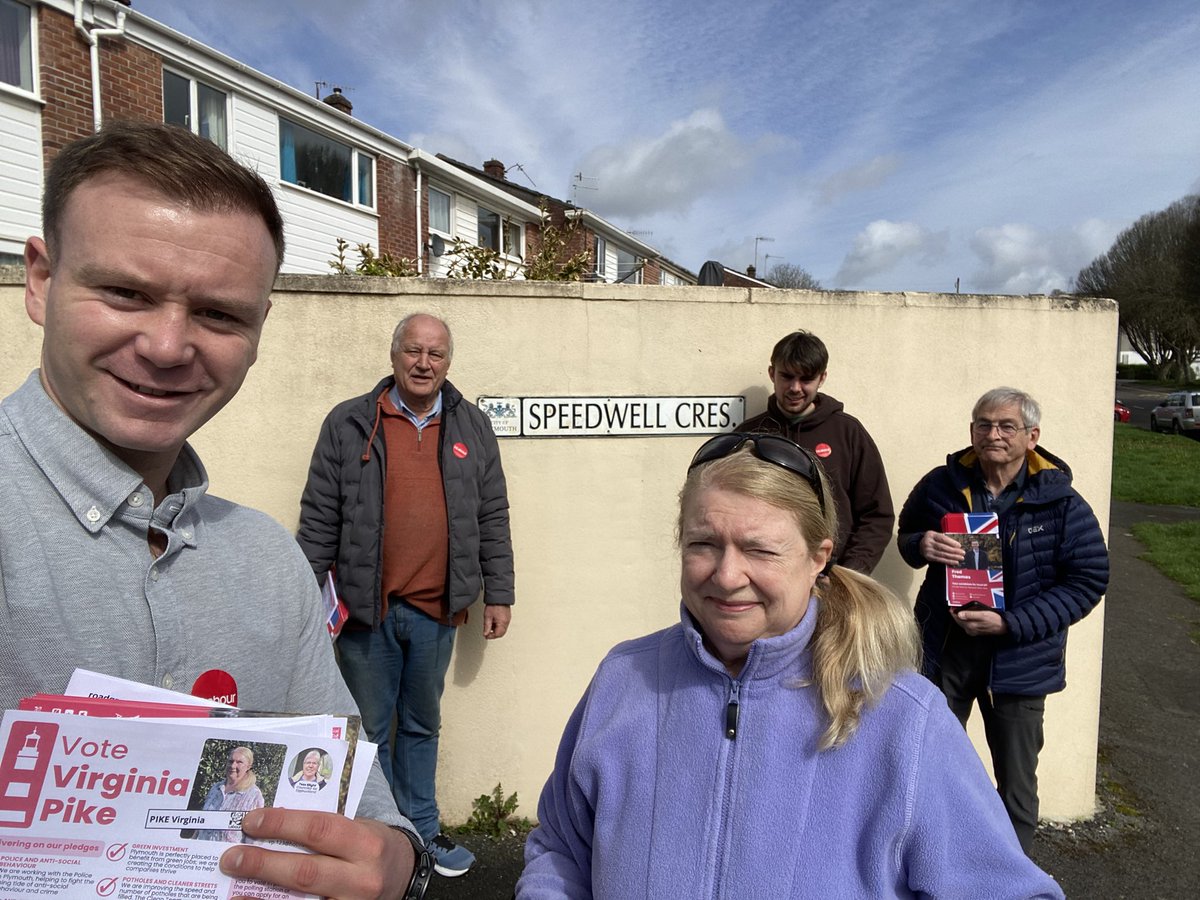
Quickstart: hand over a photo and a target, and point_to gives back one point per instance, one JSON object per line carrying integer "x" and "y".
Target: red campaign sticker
{"x": 218, "y": 685}
{"x": 460, "y": 450}
{"x": 823, "y": 450}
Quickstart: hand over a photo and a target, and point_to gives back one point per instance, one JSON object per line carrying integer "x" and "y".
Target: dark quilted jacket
{"x": 1055, "y": 569}
{"x": 341, "y": 511}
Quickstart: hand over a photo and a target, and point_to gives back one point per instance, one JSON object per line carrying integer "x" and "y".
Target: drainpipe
{"x": 420, "y": 243}
{"x": 93, "y": 41}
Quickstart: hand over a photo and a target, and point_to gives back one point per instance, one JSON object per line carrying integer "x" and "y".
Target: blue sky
{"x": 882, "y": 145}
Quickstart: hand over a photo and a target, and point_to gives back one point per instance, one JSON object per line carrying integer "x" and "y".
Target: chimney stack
{"x": 339, "y": 101}
{"x": 494, "y": 169}
{"x": 750, "y": 270}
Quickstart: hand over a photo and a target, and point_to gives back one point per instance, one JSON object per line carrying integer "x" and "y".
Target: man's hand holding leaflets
{"x": 104, "y": 794}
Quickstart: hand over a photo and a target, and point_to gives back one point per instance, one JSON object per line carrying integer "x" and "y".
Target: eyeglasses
{"x": 771, "y": 448}
{"x": 1007, "y": 429}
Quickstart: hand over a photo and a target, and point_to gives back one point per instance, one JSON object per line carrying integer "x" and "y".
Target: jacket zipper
{"x": 731, "y": 711}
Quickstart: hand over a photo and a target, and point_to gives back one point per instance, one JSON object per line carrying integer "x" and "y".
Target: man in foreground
{"x": 799, "y": 411}
{"x": 1055, "y": 571}
{"x": 152, "y": 285}
{"x": 406, "y": 501}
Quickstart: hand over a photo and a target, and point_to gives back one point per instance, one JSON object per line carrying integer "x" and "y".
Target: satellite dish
{"x": 437, "y": 246}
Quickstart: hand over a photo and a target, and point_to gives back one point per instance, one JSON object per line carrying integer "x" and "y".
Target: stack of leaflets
{"x": 117, "y": 789}
{"x": 978, "y": 581}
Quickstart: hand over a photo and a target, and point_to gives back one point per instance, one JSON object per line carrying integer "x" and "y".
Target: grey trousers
{"x": 1011, "y": 722}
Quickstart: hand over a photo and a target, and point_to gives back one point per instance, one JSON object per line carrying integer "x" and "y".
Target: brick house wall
{"x": 584, "y": 238}
{"x": 130, "y": 82}
{"x": 395, "y": 199}
{"x": 66, "y": 82}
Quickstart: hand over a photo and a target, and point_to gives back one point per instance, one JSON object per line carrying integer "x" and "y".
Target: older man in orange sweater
{"x": 406, "y": 502}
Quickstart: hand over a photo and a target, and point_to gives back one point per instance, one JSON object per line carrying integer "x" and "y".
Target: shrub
{"x": 492, "y": 815}
{"x": 369, "y": 263}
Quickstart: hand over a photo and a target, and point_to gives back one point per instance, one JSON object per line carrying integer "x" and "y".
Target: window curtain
{"x": 287, "y": 152}
{"x": 211, "y": 112}
{"x": 15, "y": 63}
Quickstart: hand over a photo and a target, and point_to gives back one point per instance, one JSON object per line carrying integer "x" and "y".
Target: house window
{"x": 16, "y": 45}
{"x": 439, "y": 210}
{"x": 629, "y": 268}
{"x": 365, "y": 165}
{"x": 512, "y": 238}
{"x": 492, "y": 229}
{"x": 321, "y": 164}
{"x": 196, "y": 106}
{"x": 489, "y": 229}
{"x": 601, "y": 250}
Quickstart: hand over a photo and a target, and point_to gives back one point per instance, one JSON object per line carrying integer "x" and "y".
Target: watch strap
{"x": 422, "y": 866}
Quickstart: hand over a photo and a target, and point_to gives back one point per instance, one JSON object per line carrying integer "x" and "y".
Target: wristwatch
{"x": 422, "y": 865}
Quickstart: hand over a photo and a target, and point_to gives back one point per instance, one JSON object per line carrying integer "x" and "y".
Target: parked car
{"x": 1120, "y": 412}
{"x": 1179, "y": 413}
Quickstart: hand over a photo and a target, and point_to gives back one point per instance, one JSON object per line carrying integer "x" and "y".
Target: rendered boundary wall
{"x": 593, "y": 518}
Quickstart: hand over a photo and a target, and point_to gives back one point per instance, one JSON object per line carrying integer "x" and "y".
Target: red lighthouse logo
{"x": 23, "y": 769}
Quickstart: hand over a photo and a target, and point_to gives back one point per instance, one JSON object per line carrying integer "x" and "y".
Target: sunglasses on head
{"x": 772, "y": 448}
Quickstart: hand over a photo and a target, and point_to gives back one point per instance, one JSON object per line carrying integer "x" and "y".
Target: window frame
{"x": 508, "y": 224}
{"x": 448, "y": 231}
{"x": 27, "y": 52}
{"x": 357, "y": 159}
{"x": 504, "y": 224}
{"x": 193, "y": 85}
{"x": 600, "y": 252}
{"x": 635, "y": 272}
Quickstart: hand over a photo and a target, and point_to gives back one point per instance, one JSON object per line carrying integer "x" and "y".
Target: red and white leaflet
{"x": 85, "y": 683}
{"x": 336, "y": 611}
{"x": 978, "y": 581}
{"x": 116, "y": 709}
{"x": 98, "y": 686}
{"x": 130, "y": 807}
{"x": 88, "y": 685}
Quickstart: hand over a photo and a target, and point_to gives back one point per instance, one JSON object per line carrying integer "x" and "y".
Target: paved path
{"x": 1149, "y": 736}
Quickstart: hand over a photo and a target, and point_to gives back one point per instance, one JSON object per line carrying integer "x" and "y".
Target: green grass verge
{"x": 1155, "y": 468}
{"x": 1174, "y": 550}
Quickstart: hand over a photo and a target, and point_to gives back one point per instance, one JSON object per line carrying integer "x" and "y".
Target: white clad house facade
{"x": 20, "y": 131}
{"x": 462, "y": 208}
{"x": 68, "y": 66}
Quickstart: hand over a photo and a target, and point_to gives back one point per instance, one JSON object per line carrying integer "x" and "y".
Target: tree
{"x": 787, "y": 275}
{"x": 553, "y": 260}
{"x": 1152, "y": 272}
{"x": 550, "y": 257}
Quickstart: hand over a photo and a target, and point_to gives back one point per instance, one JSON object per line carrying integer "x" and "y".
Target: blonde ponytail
{"x": 865, "y": 637}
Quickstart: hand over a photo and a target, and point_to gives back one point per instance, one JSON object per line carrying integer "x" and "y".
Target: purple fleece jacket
{"x": 650, "y": 798}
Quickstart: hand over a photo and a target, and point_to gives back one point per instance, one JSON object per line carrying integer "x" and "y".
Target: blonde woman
{"x": 778, "y": 741}
{"x": 238, "y": 792}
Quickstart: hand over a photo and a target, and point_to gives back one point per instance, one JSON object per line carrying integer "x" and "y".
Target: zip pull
{"x": 731, "y": 711}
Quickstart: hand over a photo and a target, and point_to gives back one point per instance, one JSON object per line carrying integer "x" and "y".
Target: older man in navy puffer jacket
{"x": 1055, "y": 571}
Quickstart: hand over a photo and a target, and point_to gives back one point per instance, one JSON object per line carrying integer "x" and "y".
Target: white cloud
{"x": 668, "y": 172}
{"x": 1016, "y": 259}
{"x": 858, "y": 178}
{"x": 883, "y": 245}
{"x": 1021, "y": 259}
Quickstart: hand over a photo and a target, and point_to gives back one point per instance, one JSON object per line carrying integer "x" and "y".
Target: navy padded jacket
{"x": 1055, "y": 569}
